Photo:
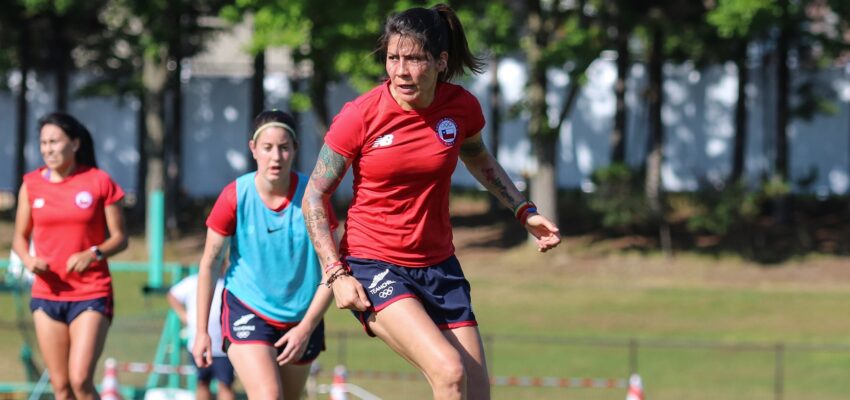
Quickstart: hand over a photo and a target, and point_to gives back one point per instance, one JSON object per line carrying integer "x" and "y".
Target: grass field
{"x": 705, "y": 327}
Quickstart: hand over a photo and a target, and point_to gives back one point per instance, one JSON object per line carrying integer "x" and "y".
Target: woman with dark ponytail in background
{"x": 395, "y": 267}
{"x": 65, "y": 208}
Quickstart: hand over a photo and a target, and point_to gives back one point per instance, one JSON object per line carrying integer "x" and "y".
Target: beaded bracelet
{"x": 344, "y": 271}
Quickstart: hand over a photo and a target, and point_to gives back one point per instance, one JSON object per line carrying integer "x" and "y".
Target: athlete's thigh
{"x": 294, "y": 377}
{"x": 468, "y": 342}
{"x": 54, "y": 343}
{"x": 88, "y": 335}
{"x": 406, "y": 328}
{"x": 257, "y": 368}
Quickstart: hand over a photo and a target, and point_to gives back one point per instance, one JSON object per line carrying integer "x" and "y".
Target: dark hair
{"x": 436, "y": 29}
{"x": 74, "y": 130}
{"x": 283, "y": 117}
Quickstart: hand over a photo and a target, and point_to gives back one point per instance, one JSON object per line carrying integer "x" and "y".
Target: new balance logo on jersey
{"x": 244, "y": 319}
{"x": 379, "y": 277}
{"x": 383, "y": 141}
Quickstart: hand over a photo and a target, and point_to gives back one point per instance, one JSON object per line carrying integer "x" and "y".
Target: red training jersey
{"x": 69, "y": 217}
{"x": 402, "y": 163}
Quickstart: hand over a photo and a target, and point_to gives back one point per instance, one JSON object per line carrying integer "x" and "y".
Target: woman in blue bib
{"x": 272, "y": 304}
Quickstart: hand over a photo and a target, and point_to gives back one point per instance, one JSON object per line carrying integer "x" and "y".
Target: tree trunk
{"x": 60, "y": 54}
{"x": 782, "y": 86}
{"x": 154, "y": 77}
{"x": 22, "y": 109}
{"x": 655, "y": 157}
{"x": 739, "y": 150}
{"x": 173, "y": 140}
{"x": 543, "y": 186}
{"x": 258, "y": 95}
{"x": 318, "y": 96}
{"x": 495, "y": 122}
{"x": 618, "y": 135}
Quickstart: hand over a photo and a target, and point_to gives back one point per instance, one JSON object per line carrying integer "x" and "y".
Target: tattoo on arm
{"x": 487, "y": 170}
{"x": 472, "y": 148}
{"x": 328, "y": 173}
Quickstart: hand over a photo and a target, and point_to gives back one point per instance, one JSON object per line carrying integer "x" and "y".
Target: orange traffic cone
{"x": 635, "y": 388}
{"x": 109, "y": 385}
{"x": 338, "y": 391}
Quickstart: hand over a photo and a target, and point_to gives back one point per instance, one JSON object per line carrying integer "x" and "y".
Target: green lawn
{"x": 705, "y": 328}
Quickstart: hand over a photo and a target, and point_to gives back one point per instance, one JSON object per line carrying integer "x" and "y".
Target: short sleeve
{"x": 476, "y": 115}
{"x": 346, "y": 135}
{"x": 112, "y": 193}
{"x": 183, "y": 289}
{"x": 222, "y": 218}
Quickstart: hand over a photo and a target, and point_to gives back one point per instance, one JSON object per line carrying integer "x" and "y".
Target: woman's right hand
{"x": 202, "y": 350}
{"x": 349, "y": 294}
{"x": 36, "y": 265}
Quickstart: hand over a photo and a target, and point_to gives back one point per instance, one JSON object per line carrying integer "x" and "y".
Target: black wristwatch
{"x": 98, "y": 255}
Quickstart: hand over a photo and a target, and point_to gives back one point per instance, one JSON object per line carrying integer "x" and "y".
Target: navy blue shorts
{"x": 242, "y": 325}
{"x": 67, "y": 311}
{"x": 221, "y": 369}
{"x": 442, "y": 289}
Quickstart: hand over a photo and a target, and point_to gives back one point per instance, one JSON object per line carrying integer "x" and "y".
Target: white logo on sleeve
{"x": 83, "y": 200}
{"x": 383, "y": 141}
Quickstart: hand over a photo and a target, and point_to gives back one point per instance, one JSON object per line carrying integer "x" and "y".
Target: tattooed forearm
{"x": 494, "y": 184}
{"x": 328, "y": 173}
{"x": 319, "y": 229}
{"x": 484, "y": 167}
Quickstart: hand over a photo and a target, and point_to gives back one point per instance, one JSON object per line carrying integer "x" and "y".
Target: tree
{"x": 153, "y": 36}
{"x": 553, "y": 34}
{"x": 492, "y": 29}
{"x": 740, "y": 22}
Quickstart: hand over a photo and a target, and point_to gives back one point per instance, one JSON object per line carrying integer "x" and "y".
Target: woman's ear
{"x": 443, "y": 64}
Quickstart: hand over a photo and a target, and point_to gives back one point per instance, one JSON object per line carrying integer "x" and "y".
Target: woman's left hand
{"x": 80, "y": 261}
{"x": 547, "y": 234}
{"x": 294, "y": 344}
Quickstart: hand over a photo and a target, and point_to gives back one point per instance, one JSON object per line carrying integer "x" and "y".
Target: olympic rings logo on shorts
{"x": 386, "y": 292}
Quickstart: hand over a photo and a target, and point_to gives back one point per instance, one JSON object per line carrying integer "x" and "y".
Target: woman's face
{"x": 57, "y": 149}
{"x": 413, "y": 72}
{"x": 274, "y": 151}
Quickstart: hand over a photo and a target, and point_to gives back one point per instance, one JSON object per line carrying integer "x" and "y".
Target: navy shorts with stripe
{"x": 441, "y": 288}
{"x": 221, "y": 369}
{"x": 67, "y": 311}
{"x": 242, "y": 325}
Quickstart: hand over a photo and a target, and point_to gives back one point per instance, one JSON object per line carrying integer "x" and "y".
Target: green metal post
{"x": 156, "y": 238}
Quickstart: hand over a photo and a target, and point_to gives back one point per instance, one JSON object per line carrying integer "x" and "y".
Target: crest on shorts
{"x": 83, "y": 199}
{"x": 447, "y": 131}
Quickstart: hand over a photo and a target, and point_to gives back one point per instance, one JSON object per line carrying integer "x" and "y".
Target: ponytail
{"x": 458, "y": 49}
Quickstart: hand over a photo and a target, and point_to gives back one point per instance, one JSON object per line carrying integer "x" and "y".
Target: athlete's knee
{"x": 450, "y": 372}
{"x": 62, "y": 390}
{"x": 266, "y": 392}
{"x": 81, "y": 383}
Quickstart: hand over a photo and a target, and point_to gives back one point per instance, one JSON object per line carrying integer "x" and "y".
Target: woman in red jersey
{"x": 395, "y": 267}
{"x": 65, "y": 208}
